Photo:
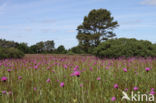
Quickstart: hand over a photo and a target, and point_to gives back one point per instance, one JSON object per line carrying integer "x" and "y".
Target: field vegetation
{"x": 74, "y": 79}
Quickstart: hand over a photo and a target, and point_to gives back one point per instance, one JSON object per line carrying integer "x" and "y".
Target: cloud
{"x": 149, "y": 2}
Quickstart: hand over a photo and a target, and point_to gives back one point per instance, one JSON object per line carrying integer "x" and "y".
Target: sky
{"x": 32, "y": 21}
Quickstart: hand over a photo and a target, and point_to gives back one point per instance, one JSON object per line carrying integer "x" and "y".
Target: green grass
{"x": 92, "y": 91}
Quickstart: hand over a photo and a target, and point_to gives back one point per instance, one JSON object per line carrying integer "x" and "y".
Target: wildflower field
{"x": 74, "y": 79}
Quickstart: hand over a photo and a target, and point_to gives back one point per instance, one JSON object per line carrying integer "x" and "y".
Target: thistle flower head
{"x": 113, "y": 98}
{"x": 4, "y": 79}
{"x": 62, "y": 84}
{"x": 147, "y": 69}
{"x": 116, "y": 86}
{"x": 48, "y": 80}
{"x": 98, "y": 78}
{"x": 135, "y": 88}
{"x": 77, "y": 73}
{"x": 125, "y": 69}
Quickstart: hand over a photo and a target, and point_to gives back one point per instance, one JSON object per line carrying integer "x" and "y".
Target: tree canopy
{"x": 97, "y": 27}
{"x": 61, "y": 50}
{"x": 43, "y": 47}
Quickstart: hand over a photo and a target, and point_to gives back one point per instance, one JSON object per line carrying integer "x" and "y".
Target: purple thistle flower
{"x": 126, "y": 89}
{"x": 98, "y": 78}
{"x": 147, "y": 69}
{"x": 107, "y": 68}
{"x": 53, "y": 71}
{"x": 35, "y": 88}
{"x": 135, "y": 88}
{"x": 76, "y": 67}
{"x": 81, "y": 85}
{"x": 90, "y": 68}
{"x": 9, "y": 70}
{"x": 4, "y": 79}
{"x": 125, "y": 69}
{"x": 4, "y": 92}
{"x": 77, "y": 73}
{"x": 65, "y": 66}
{"x": 48, "y": 80}
{"x": 19, "y": 77}
{"x": 62, "y": 84}
{"x": 152, "y": 92}
{"x": 57, "y": 80}
{"x": 113, "y": 98}
{"x": 152, "y": 89}
{"x": 36, "y": 67}
{"x": 116, "y": 86}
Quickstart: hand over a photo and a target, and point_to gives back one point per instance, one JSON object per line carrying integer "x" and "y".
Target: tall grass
{"x": 27, "y": 79}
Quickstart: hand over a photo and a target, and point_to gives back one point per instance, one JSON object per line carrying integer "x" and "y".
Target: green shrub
{"x": 70, "y": 53}
{"x": 77, "y": 50}
{"x": 123, "y": 47}
{"x": 10, "y": 53}
{"x": 61, "y": 50}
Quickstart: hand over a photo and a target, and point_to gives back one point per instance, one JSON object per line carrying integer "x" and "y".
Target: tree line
{"x": 95, "y": 36}
{"x": 40, "y": 47}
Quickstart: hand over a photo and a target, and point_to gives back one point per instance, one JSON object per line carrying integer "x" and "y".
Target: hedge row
{"x": 122, "y": 47}
{"x": 10, "y": 53}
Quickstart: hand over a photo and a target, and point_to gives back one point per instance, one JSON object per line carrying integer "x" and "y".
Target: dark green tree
{"x": 97, "y": 27}
{"x": 33, "y": 49}
{"x": 23, "y": 47}
{"x": 61, "y": 50}
{"x": 40, "y": 47}
{"x": 8, "y": 44}
{"x": 43, "y": 47}
{"x": 49, "y": 46}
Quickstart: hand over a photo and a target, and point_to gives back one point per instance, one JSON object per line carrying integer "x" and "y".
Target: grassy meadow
{"x": 74, "y": 79}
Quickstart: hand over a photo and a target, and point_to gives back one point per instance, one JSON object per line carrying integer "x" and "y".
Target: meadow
{"x": 74, "y": 79}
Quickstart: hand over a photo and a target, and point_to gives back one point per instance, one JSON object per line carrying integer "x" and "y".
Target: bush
{"x": 70, "y": 53}
{"x": 122, "y": 47}
{"x": 61, "y": 50}
{"x": 77, "y": 50}
{"x": 10, "y": 53}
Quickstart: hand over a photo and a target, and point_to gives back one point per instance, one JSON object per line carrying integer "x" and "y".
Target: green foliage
{"x": 40, "y": 47}
{"x": 23, "y": 47}
{"x": 10, "y": 53}
{"x": 9, "y": 44}
{"x": 77, "y": 50}
{"x": 123, "y": 47}
{"x": 61, "y": 50}
{"x": 43, "y": 47}
{"x": 154, "y": 46}
{"x": 70, "y": 53}
{"x": 97, "y": 27}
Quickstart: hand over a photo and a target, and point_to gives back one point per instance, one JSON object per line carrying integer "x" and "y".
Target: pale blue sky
{"x": 32, "y": 21}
